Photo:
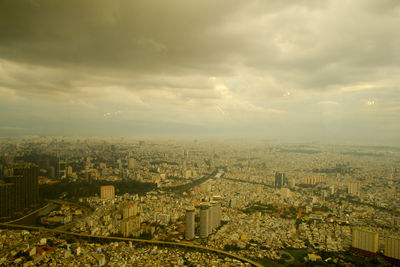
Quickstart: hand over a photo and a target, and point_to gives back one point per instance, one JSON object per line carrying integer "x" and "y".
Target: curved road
{"x": 154, "y": 242}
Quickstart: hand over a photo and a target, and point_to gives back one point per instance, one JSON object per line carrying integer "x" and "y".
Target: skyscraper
{"x": 62, "y": 168}
{"x": 30, "y": 172}
{"x": 364, "y": 240}
{"x": 20, "y": 189}
{"x": 214, "y": 215}
{"x": 204, "y": 220}
{"x": 392, "y": 247}
{"x": 280, "y": 179}
{"x": 130, "y": 226}
{"x": 129, "y": 210}
{"x": 189, "y": 223}
{"x": 354, "y": 189}
{"x": 7, "y": 195}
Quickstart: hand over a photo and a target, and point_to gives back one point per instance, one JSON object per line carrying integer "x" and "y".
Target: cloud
{"x": 186, "y": 61}
{"x": 11, "y": 128}
{"x": 327, "y": 103}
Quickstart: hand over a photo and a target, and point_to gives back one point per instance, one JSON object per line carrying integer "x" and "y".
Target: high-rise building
{"x": 51, "y": 172}
{"x": 364, "y": 240}
{"x": 292, "y": 183}
{"x": 313, "y": 180}
{"x": 354, "y": 188}
{"x": 214, "y": 215}
{"x": 131, "y": 163}
{"x": 129, "y": 210}
{"x": 219, "y": 214}
{"x": 7, "y": 194}
{"x": 280, "y": 179}
{"x": 30, "y": 172}
{"x": 107, "y": 192}
{"x": 130, "y": 226}
{"x": 204, "y": 220}
{"x": 189, "y": 223}
{"x": 62, "y": 168}
{"x": 210, "y": 226}
{"x": 218, "y": 199}
{"x": 69, "y": 171}
{"x": 20, "y": 189}
{"x": 392, "y": 247}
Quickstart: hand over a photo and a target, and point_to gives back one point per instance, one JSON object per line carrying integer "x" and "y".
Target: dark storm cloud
{"x": 287, "y": 40}
{"x": 137, "y": 35}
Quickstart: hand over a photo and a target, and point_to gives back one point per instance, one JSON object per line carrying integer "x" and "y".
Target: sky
{"x": 294, "y": 70}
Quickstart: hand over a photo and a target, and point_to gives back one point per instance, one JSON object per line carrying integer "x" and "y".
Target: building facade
{"x": 392, "y": 247}
{"x": 365, "y": 240}
{"x": 189, "y": 223}
{"x": 107, "y": 192}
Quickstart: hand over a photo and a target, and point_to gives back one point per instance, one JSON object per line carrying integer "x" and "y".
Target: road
{"x": 185, "y": 187}
{"x": 152, "y": 242}
{"x": 31, "y": 217}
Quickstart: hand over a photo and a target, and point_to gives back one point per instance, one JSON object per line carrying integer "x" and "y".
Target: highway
{"x": 151, "y": 242}
{"x": 184, "y": 187}
{"x": 47, "y": 206}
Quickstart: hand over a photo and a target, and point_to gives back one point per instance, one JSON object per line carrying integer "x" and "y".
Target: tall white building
{"x": 204, "y": 220}
{"x": 313, "y": 180}
{"x": 189, "y": 223}
{"x": 219, "y": 215}
{"x": 365, "y": 240}
{"x": 214, "y": 215}
{"x": 129, "y": 209}
{"x": 210, "y": 225}
{"x": 354, "y": 188}
{"x": 218, "y": 200}
{"x": 392, "y": 247}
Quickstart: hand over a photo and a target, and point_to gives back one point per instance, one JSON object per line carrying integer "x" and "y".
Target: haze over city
{"x": 200, "y": 133}
{"x": 281, "y": 70}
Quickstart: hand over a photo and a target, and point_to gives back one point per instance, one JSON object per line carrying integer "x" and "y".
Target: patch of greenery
{"x": 79, "y": 189}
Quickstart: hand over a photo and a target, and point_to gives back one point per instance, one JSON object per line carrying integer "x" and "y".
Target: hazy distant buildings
{"x": 280, "y": 179}
{"x": 62, "y": 168}
{"x": 285, "y": 192}
{"x": 313, "y": 180}
{"x": 131, "y": 163}
{"x": 292, "y": 183}
{"x": 364, "y": 240}
{"x": 107, "y": 192}
{"x": 205, "y": 187}
{"x": 51, "y": 172}
{"x": 354, "y": 189}
{"x": 189, "y": 223}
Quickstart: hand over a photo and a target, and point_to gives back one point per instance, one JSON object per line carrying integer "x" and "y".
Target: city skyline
{"x": 293, "y": 71}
